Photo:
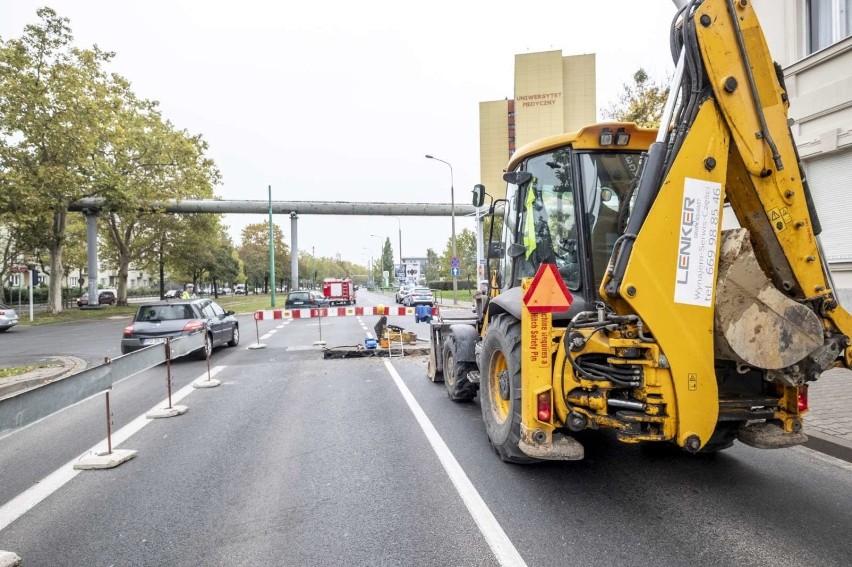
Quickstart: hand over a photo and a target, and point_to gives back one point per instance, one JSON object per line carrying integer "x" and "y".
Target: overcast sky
{"x": 341, "y": 100}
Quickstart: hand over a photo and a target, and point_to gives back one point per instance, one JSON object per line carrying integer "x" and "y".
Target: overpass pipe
{"x": 288, "y": 207}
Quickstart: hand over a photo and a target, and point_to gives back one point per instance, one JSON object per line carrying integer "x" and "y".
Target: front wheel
{"x": 500, "y": 387}
{"x": 458, "y": 386}
{"x": 235, "y": 337}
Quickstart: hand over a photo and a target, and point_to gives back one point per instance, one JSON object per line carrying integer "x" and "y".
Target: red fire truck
{"x": 338, "y": 292}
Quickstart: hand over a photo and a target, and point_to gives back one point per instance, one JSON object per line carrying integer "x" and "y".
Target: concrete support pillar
{"x": 294, "y": 252}
{"x": 92, "y": 254}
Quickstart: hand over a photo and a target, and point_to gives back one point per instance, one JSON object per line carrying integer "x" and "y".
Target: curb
{"x": 65, "y": 366}
{"x": 829, "y": 445}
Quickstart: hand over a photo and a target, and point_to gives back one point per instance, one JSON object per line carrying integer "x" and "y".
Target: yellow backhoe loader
{"x": 616, "y": 300}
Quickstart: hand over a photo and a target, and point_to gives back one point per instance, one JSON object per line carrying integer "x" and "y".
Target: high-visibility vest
{"x": 529, "y": 222}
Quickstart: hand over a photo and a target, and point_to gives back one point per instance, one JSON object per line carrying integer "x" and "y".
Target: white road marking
{"x": 267, "y": 335}
{"x": 497, "y": 539}
{"x": 28, "y": 499}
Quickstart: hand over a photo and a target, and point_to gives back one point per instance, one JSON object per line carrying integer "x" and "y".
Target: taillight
{"x": 128, "y": 330}
{"x": 193, "y": 325}
{"x": 544, "y": 411}
{"x": 803, "y": 399}
{"x": 2, "y": 312}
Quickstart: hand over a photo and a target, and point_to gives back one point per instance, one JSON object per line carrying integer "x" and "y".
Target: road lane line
{"x": 497, "y": 539}
{"x": 28, "y": 499}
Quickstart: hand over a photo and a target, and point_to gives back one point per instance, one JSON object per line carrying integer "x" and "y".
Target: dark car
{"x": 304, "y": 299}
{"x": 156, "y": 321}
{"x": 105, "y": 297}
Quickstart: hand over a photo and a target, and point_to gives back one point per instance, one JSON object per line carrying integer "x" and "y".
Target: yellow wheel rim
{"x": 499, "y": 370}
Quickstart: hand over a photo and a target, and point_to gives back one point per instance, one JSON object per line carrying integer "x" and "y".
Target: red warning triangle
{"x": 547, "y": 293}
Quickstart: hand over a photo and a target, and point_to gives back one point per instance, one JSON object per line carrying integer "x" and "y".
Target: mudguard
{"x": 464, "y": 339}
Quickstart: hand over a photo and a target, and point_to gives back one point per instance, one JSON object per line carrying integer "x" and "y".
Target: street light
{"x": 453, "y": 216}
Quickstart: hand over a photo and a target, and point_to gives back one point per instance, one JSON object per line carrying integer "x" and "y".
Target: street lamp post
{"x": 453, "y": 216}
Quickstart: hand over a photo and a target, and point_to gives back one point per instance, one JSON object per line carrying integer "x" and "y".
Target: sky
{"x": 340, "y": 100}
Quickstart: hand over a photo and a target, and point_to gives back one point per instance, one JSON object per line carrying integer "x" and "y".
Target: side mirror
{"x": 496, "y": 250}
{"x": 478, "y": 195}
{"x": 517, "y": 177}
{"x": 516, "y": 250}
{"x": 229, "y": 312}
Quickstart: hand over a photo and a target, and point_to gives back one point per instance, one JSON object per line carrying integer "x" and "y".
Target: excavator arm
{"x": 758, "y": 300}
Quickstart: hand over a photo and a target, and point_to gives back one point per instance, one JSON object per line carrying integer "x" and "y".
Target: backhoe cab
{"x": 676, "y": 332}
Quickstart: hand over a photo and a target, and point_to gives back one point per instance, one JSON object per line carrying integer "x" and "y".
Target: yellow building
{"x": 553, "y": 94}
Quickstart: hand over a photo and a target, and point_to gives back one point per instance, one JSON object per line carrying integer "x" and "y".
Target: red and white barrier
{"x": 265, "y": 314}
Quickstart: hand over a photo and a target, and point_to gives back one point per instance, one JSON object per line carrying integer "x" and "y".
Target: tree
{"x": 466, "y": 249}
{"x": 641, "y": 101}
{"x": 55, "y": 100}
{"x": 149, "y": 161}
{"x": 254, "y": 252}
{"x": 387, "y": 258}
{"x": 432, "y": 270}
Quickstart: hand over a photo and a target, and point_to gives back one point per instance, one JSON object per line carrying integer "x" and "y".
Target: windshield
{"x": 608, "y": 182}
{"x": 544, "y": 216}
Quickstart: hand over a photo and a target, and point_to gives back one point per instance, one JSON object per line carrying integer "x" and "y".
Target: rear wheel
{"x": 205, "y": 351}
{"x": 500, "y": 387}
{"x": 723, "y": 437}
{"x": 458, "y": 386}
{"x": 235, "y": 337}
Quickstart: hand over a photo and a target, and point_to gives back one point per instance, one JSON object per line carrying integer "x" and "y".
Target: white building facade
{"x": 812, "y": 41}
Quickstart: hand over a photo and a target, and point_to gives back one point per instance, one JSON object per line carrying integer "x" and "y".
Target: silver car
{"x": 8, "y": 318}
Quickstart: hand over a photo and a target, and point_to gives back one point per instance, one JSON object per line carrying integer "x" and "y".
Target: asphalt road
{"x": 296, "y": 460}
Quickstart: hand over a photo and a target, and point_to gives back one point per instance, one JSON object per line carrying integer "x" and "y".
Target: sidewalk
{"x": 830, "y": 420}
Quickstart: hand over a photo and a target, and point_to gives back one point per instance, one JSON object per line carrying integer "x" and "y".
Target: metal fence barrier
{"x": 29, "y": 406}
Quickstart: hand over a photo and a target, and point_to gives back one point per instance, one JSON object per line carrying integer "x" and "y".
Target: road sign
{"x": 547, "y": 292}
{"x": 455, "y": 272}
{"x": 455, "y": 262}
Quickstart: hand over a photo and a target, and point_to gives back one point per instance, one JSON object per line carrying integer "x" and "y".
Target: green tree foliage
{"x": 387, "y": 259}
{"x": 432, "y": 271}
{"x": 254, "y": 252}
{"x": 71, "y": 130}
{"x": 55, "y": 100}
{"x": 466, "y": 250}
{"x": 641, "y": 101}
{"x": 149, "y": 160}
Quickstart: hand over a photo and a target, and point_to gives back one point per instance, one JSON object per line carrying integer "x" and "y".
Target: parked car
{"x": 420, "y": 296}
{"x": 156, "y": 321}
{"x": 403, "y": 291}
{"x": 240, "y": 289}
{"x": 304, "y": 299}
{"x": 8, "y": 318}
{"x": 172, "y": 294}
{"x": 105, "y": 297}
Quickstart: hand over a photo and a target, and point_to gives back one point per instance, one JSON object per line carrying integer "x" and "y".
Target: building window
{"x": 828, "y": 21}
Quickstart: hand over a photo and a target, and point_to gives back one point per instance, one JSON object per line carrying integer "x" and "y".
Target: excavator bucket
{"x": 755, "y": 324}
